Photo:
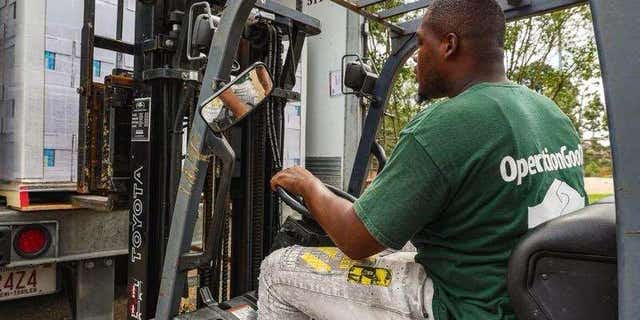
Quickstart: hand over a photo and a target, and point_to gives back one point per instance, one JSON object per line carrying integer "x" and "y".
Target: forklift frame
{"x": 617, "y": 35}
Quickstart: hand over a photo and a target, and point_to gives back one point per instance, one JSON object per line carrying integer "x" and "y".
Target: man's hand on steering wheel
{"x": 293, "y": 183}
{"x": 295, "y": 180}
{"x": 329, "y": 206}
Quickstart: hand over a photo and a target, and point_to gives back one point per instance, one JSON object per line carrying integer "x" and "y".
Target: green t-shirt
{"x": 468, "y": 178}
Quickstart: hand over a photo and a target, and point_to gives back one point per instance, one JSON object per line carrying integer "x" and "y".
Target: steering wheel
{"x": 297, "y": 204}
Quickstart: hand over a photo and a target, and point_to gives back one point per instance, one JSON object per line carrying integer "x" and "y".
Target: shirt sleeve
{"x": 408, "y": 194}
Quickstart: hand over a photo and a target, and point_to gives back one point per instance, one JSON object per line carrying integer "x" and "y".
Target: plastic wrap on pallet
{"x": 39, "y": 75}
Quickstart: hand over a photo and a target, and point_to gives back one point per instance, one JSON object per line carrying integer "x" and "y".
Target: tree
{"x": 554, "y": 54}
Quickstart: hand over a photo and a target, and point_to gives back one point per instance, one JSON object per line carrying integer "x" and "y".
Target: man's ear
{"x": 450, "y": 43}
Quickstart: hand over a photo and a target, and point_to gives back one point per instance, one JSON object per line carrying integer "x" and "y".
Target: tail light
{"x": 31, "y": 241}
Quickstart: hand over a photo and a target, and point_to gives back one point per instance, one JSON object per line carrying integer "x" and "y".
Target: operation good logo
{"x": 517, "y": 169}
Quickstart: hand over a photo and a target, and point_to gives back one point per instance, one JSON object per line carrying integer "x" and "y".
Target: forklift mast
{"x": 174, "y": 71}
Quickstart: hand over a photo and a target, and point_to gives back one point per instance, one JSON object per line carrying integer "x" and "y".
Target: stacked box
{"x": 293, "y": 128}
{"x": 39, "y": 77}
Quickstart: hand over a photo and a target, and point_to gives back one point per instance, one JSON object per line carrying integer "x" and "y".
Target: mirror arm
{"x": 220, "y": 150}
{"x": 220, "y": 147}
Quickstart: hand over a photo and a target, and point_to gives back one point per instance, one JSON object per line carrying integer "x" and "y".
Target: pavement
{"x": 55, "y": 306}
{"x": 596, "y": 185}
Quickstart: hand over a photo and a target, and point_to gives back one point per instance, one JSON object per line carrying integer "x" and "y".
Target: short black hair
{"x": 470, "y": 19}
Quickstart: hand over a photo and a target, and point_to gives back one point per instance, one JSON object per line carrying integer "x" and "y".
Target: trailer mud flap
{"x": 5, "y": 245}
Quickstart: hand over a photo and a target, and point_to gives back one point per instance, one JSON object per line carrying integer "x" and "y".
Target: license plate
{"x": 23, "y": 282}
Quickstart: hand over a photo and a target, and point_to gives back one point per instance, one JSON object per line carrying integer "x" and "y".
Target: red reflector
{"x": 31, "y": 241}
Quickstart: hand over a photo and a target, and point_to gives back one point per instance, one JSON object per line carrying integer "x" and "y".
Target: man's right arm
{"x": 336, "y": 215}
{"x": 407, "y": 195}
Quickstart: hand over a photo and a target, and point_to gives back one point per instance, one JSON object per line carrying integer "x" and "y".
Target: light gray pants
{"x": 322, "y": 283}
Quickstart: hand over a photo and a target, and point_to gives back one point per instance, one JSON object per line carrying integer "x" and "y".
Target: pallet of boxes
{"x": 39, "y": 108}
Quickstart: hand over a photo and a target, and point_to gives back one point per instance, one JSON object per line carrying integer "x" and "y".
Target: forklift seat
{"x": 566, "y": 268}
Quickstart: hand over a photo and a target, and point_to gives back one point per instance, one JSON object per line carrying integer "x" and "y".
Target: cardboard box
{"x": 39, "y": 77}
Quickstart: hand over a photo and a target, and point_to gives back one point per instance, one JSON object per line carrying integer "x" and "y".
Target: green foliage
{"x": 597, "y": 159}
{"x": 593, "y": 198}
{"x": 554, "y": 54}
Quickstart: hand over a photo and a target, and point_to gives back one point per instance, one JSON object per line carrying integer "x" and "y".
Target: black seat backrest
{"x": 566, "y": 268}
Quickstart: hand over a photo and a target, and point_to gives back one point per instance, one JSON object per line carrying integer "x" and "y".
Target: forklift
{"x": 211, "y": 74}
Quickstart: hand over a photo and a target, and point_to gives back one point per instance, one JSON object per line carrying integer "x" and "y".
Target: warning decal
{"x": 369, "y": 276}
{"x": 141, "y": 120}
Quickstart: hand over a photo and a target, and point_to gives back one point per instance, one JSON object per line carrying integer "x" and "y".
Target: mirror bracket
{"x": 172, "y": 73}
{"x": 286, "y": 94}
{"x": 204, "y": 25}
{"x": 358, "y": 76}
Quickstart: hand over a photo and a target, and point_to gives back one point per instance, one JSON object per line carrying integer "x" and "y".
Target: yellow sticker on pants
{"x": 346, "y": 262}
{"x": 369, "y": 276}
{"x": 332, "y": 252}
{"x": 315, "y": 262}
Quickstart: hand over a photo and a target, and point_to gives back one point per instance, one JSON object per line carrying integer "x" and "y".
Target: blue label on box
{"x": 96, "y": 68}
{"x": 49, "y": 157}
{"x": 50, "y": 60}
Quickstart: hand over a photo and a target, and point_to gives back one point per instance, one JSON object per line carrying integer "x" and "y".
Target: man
{"x": 468, "y": 177}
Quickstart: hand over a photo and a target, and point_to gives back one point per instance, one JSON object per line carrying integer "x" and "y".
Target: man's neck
{"x": 489, "y": 73}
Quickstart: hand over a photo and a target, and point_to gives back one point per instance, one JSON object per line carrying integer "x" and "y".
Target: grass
{"x": 593, "y": 198}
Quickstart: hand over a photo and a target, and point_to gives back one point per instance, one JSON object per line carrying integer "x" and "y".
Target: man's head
{"x": 456, "y": 39}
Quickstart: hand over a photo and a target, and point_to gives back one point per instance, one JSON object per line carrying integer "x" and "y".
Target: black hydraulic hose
{"x": 271, "y": 131}
{"x": 216, "y": 238}
{"x": 293, "y": 58}
{"x": 205, "y": 273}
{"x": 281, "y": 103}
{"x": 176, "y": 131}
{"x": 165, "y": 159}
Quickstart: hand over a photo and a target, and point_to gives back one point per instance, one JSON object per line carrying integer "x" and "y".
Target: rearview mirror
{"x": 237, "y": 99}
